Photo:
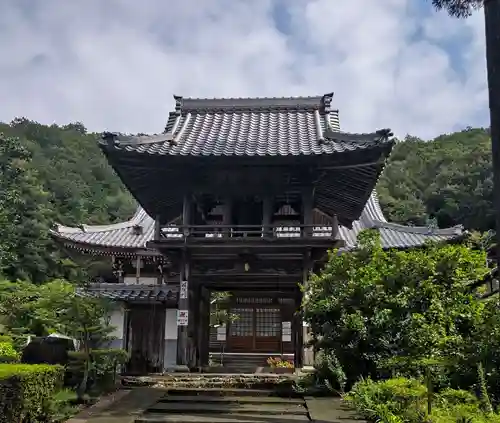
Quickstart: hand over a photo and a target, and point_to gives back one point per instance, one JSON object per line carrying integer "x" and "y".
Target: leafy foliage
{"x": 7, "y": 353}
{"x": 458, "y": 8}
{"x": 448, "y": 179}
{"x": 404, "y": 400}
{"x": 50, "y": 174}
{"x": 372, "y": 305}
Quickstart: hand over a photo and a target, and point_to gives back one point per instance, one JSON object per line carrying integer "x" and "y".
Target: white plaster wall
{"x": 171, "y": 323}
{"x": 116, "y": 321}
{"x": 143, "y": 280}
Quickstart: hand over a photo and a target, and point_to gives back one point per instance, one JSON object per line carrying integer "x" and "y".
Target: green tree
{"x": 25, "y": 215}
{"x": 463, "y": 8}
{"x": 83, "y": 318}
{"x": 371, "y": 305}
{"x": 449, "y": 179}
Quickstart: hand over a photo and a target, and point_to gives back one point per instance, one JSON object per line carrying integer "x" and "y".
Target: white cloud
{"x": 115, "y": 64}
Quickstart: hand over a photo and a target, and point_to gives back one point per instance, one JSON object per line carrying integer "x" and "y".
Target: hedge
{"x": 7, "y": 353}
{"x": 25, "y": 390}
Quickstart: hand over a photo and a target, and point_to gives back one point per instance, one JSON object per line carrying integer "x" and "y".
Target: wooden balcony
{"x": 246, "y": 236}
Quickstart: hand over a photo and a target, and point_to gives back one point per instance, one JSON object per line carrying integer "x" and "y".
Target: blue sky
{"x": 115, "y": 64}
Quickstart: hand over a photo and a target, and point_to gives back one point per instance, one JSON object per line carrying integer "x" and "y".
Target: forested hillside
{"x": 51, "y": 174}
{"x": 448, "y": 179}
{"x": 58, "y": 174}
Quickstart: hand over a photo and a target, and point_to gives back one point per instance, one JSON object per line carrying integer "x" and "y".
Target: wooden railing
{"x": 246, "y": 231}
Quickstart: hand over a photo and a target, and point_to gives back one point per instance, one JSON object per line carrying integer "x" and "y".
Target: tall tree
{"x": 25, "y": 215}
{"x": 491, "y": 8}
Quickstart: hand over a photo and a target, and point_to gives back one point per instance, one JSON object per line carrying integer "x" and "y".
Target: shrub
{"x": 25, "y": 390}
{"x": 6, "y": 338}
{"x": 405, "y": 400}
{"x": 105, "y": 364}
{"x": 7, "y": 353}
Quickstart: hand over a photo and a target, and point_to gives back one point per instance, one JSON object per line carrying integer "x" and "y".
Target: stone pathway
{"x": 214, "y": 404}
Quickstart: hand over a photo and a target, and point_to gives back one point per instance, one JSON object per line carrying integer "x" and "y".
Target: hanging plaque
{"x": 221, "y": 333}
{"x": 183, "y": 294}
{"x": 286, "y": 331}
{"x": 182, "y": 317}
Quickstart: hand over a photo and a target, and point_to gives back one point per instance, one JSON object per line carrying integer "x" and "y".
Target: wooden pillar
{"x": 183, "y": 306}
{"x": 227, "y": 216}
{"x": 335, "y": 227}
{"x": 187, "y": 213}
{"x": 297, "y": 331}
{"x": 299, "y": 325}
{"x": 193, "y": 350}
{"x": 204, "y": 327}
{"x": 157, "y": 228}
{"x": 307, "y": 210}
{"x": 138, "y": 264}
{"x": 126, "y": 332}
{"x": 267, "y": 215}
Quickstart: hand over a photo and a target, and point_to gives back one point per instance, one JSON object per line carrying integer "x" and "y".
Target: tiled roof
{"x": 250, "y": 127}
{"x": 123, "y": 292}
{"x": 133, "y": 233}
{"x": 345, "y": 166}
{"x": 123, "y": 235}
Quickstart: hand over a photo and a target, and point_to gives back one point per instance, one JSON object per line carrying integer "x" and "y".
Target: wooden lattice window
{"x": 267, "y": 322}
{"x": 243, "y": 325}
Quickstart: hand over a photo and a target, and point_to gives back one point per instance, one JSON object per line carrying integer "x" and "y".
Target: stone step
{"x": 234, "y": 408}
{"x": 231, "y": 399}
{"x": 220, "y": 418}
{"x": 230, "y": 392}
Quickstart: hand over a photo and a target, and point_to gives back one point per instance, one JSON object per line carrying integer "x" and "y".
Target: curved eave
{"x": 346, "y": 177}
{"x": 101, "y": 240}
{"x": 399, "y": 236}
{"x": 117, "y": 238}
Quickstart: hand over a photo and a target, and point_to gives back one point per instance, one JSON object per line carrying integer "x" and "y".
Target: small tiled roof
{"x": 125, "y": 235}
{"x": 123, "y": 292}
{"x": 251, "y": 127}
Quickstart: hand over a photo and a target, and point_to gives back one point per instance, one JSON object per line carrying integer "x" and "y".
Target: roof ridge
{"x": 189, "y": 104}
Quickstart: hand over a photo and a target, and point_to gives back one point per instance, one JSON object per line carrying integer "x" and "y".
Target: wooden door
{"x": 267, "y": 330}
{"x": 256, "y": 329}
{"x": 241, "y": 330}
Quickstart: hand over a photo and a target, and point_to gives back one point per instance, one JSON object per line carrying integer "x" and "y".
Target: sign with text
{"x": 286, "y": 331}
{"x": 183, "y": 294}
{"x": 182, "y": 317}
{"x": 221, "y": 333}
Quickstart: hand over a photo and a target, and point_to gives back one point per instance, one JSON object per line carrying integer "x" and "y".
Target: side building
{"x": 237, "y": 195}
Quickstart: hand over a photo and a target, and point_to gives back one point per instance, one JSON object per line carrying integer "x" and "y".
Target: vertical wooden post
{"x": 299, "y": 325}
{"x": 204, "y": 326}
{"x": 126, "y": 332}
{"x": 157, "y": 228}
{"x": 307, "y": 210}
{"x": 138, "y": 263}
{"x": 267, "y": 215}
{"x": 187, "y": 213}
{"x": 297, "y": 330}
{"x": 227, "y": 216}
{"x": 183, "y": 305}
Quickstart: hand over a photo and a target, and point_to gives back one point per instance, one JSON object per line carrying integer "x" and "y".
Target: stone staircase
{"x": 229, "y": 398}
{"x": 229, "y": 405}
{"x": 222, "y": 398}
